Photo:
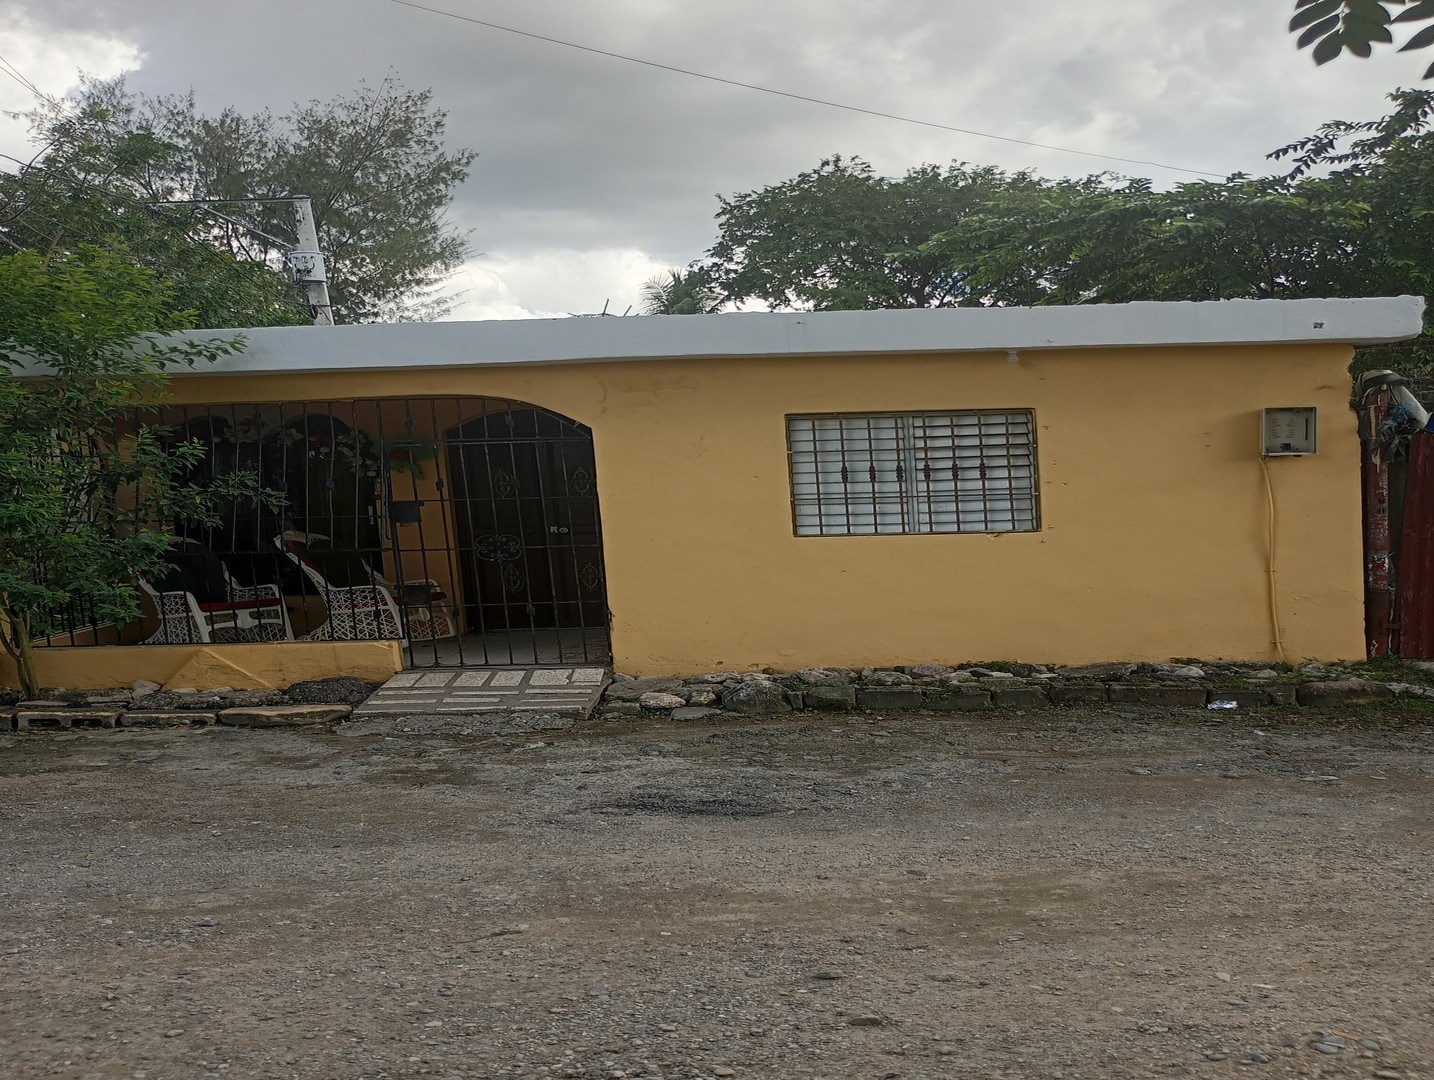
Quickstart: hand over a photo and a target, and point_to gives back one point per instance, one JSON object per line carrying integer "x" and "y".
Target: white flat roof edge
{"x": 840, "y": 333}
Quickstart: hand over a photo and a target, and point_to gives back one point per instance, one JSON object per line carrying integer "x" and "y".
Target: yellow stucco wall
{"x": 203, "y": 667}
{"x": 1153, "y": 507}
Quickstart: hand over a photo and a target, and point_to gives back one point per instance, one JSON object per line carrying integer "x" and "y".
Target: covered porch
{"x": 464, "y": 529}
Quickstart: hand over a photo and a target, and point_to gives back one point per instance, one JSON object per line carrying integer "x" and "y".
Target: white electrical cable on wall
{"x": 1277, "y": 636}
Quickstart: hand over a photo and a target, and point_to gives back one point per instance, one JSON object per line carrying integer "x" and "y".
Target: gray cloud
{"x": 589, "y": 158}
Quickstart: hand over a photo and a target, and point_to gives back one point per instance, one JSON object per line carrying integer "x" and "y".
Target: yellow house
{"x": 743, "y": 491}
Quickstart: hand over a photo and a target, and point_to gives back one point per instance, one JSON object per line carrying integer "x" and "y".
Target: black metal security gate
{"x": 519, "y": 491}
{"x": 525, "y": 501}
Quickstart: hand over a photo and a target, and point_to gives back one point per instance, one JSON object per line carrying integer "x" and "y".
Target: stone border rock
{"x": 146, "y": 705}
{"x": 974, "y": 688}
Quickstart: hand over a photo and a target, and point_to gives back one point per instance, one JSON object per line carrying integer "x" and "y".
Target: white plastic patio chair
{"x": 362, "y": 605}
{"x": 199, "y": 603}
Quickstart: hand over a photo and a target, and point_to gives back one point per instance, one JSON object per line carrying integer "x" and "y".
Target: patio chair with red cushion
{"x": 200, "y": 603}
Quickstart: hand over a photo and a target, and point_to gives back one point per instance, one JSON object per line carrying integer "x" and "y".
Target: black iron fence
{"x": 467, "y": 528}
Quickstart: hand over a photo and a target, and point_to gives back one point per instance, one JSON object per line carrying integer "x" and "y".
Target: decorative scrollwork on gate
{"x": 589, "y": 576}
{"x": 513, "y": 580}
{"x": 505, "y": 486}
{"x": 502, "y": 547}
{"x": 580, "y": 482}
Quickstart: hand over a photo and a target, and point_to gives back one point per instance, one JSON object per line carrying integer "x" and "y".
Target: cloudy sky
{"x": 594, "y": 174}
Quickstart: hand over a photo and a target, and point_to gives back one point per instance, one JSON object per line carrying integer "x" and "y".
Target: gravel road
{"x": 1063, "y": 894}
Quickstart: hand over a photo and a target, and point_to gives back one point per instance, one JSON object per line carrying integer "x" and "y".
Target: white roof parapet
{"x": 942, "y": 330}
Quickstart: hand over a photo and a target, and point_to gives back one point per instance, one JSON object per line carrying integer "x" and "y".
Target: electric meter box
{"x": 1288, "y": 432}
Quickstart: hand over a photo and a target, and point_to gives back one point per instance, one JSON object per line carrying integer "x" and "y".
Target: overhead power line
{"x": 797, "y": 97}
{"x": 15, "y": 73}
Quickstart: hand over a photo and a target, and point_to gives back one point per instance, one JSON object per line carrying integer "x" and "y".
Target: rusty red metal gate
{"x": 1414, "y": 580}
{"x": 1398, "y": 477}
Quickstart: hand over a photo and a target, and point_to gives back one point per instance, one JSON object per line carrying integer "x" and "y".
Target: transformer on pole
{"x": 307, "y": 262}
{"x": 304, "y": 259}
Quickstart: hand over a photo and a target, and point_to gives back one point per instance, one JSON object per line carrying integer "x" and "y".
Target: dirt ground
{"x": 1069, "y": 893}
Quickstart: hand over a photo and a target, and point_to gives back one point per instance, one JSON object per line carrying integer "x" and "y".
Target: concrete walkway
{"x": 571, "y": 693}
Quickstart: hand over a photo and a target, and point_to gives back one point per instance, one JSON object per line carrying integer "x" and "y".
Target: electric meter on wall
{"x": 1287, "y": 432}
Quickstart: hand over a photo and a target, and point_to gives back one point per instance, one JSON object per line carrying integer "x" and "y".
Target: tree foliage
{"x": 373, "y": 162}
{"x": 680, "y": 292}
{"x": 1093, "y": 241}
{"x": 1331, "y": 27}
{"x": 841, "y": 237}
{"x": 91, "y": 185}
{"x": 88, "y": 484}
{"x": 1351, "y": 218}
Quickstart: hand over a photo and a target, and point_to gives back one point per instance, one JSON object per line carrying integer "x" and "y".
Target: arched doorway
{"x": 522, "y": 489}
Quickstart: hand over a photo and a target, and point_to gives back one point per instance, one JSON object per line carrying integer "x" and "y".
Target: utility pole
{"x": 304, "y": 259}
{"x": 307, "y": 262}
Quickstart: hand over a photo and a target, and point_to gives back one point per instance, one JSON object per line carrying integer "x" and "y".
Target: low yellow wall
{"x": 243, "y": 667}
{"x": 1153, "y": 513}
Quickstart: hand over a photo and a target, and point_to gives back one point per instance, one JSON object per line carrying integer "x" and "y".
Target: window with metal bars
{"x": 930, "y": 472}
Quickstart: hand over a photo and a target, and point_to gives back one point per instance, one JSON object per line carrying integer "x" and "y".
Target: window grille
{"x": 933, "y": 472}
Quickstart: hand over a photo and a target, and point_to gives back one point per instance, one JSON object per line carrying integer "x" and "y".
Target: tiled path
{"x": 455, "y": 691}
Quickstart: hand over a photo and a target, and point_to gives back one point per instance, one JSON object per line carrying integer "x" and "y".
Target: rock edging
{"x": 973, "y": 688}
{"x": 145, "y": 705}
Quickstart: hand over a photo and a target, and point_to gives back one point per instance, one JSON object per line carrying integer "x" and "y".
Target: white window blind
{"x": 940, "y": 472}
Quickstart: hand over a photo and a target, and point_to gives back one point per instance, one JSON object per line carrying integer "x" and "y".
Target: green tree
{"x": 1351, "y": 218}
{"x": 1098, "y": 241}
{"x": 841, "y": 236}
{"x": 373, "y": 162}
{"x": 680, "y": 292}
{"x": 1331, "y": 27}
{"x": 91, "y": 185}
{"x": 87, "y": 482}
{"x": 1388, "y": 165}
